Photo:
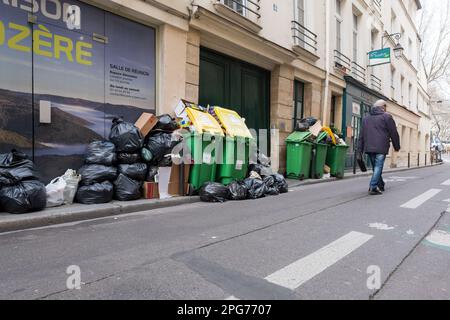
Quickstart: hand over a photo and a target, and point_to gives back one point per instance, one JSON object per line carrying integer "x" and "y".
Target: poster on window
{"x": 72, "y": 70}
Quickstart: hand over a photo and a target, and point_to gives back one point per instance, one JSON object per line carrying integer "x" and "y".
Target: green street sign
{"x": 379, "y": 57}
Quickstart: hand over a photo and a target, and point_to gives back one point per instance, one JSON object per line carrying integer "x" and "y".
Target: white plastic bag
{"x": 72, "y": 179}
{"x": 163, "y": 182}
{"x": 55, "y": 192}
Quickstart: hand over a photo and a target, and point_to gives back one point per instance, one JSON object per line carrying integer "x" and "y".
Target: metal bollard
{"x": 409, "y": 160}
{"x": 418, "y": 159}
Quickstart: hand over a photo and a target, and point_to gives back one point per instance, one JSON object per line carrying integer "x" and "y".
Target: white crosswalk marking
{"x": 297, "y": 273}
{"x": 446, "y": 183}
{"x": 421, "y": 199}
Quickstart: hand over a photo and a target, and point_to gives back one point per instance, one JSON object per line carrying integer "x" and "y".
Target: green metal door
{"x": 236, "y": 85}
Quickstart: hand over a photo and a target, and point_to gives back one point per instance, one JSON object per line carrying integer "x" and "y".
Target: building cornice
{"x": 211, "y": 23}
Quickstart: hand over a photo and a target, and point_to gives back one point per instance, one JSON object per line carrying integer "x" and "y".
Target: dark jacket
{"x": 378, "y": 130}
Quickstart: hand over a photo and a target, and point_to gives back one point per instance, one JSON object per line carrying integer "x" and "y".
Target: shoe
{"x": 381, "y": 188}
{"x": 375, "y": 192}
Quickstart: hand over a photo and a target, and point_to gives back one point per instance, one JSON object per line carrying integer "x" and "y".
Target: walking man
{"x": 378, "y": 130}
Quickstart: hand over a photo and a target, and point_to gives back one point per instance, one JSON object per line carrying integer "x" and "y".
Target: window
{"x": 300, "y": 11}
{"x": 355, "y": 38}
{"x": 299, "y": 94}
{"x": 410, "y": 50}
{"x": 392, "y": 77}
{"x": 236, "y": 5}
{"x": 333, "y": 112}
{"x": 338, "y": 34}
{"x": 393, "y": 21}
{"x": 410, "y": 96}
{"x": 402, "y": 87}
{"x": 339, "y": 7}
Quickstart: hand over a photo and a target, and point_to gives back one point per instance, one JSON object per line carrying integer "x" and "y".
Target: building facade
{"x": 272, "y": 61}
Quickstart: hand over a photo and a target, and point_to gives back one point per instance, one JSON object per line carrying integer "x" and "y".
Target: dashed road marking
{"x": 299, "y": 272}
{"x": 421, "y": 199}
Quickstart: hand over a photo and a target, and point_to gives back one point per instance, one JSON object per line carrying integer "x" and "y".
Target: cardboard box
{"x": 146, "y": 123}
{"x": 174, "y": 182}
{"x": 150, "y": 190}
{"x": 180, "y": 109}
{"x": 316, "y": 128}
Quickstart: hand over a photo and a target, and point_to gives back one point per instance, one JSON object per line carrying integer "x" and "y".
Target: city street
{"x": 323, "y": 241}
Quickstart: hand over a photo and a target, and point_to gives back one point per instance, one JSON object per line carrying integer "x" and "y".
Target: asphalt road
{"x": 324, "y": 241}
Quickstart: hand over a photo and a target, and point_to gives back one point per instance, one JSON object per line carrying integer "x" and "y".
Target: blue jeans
{"x": 377, "y": 161}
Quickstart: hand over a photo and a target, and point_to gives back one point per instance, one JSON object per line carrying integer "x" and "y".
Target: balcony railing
{"x": 377, "y": 5}
{"x": 375, "y": 82}
{"x": 244, "y": 7}
{"x": 341, "y": 61}
{"x": 304, "y": 37}
{"x": 359, "y": 72}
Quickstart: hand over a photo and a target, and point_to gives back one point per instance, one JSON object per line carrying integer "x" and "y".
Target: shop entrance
{"x": 234, "y": 84}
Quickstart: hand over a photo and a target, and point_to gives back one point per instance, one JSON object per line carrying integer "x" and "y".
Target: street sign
{"x": 379, "y": 57}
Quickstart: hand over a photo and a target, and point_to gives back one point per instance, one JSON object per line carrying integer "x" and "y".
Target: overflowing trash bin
{"x": 235, "y": 152}
{"x": 336, "y": 160}
{"x": 202, "y": 146}
{"x": 319, "y": 156}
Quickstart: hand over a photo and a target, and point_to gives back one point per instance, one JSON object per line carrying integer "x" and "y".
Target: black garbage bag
{"x": 101, "y": 152}
{"x": 281, "y": 183}
{"x": 256, "y": 188}
{"x": 310, "y": 121}
{"x": 95, "y": 193}
{"x": 214, "y": 192}
{"x": 126, "y": 136}
{"x": 146, "y": 155}
{"x": 166, "y": 123}
{"x": 15, "y": 167}
{"x": 136, "y": 171}
{"x": 302, "y": 125}
{"x": 128, "y": 158}
{"x": 166, "y": 161}
{"x": 260, "y": 169}
{"x": 151, "y": 173}
{"x": 127, "y": 189}
{"x": 237, "y": 191}
{"x": 26, "y": 196}
{"x": 96, "y": 173}
{"x": 160, "y": 144}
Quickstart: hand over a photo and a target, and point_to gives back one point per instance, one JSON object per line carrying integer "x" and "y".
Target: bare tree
{"x": 434, "y": 29}
{"x": 435, "y": 48}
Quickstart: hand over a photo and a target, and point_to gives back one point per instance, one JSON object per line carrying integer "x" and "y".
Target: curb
{"x": 358, "y": 175}
{"x": 74, "y": 213}
{"x": 48, "y": 217}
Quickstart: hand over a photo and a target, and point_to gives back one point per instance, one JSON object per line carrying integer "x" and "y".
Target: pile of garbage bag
{"x": 20, "y": 188}
{"x": 253, "y": 187}
{"x": 98, "y": 173}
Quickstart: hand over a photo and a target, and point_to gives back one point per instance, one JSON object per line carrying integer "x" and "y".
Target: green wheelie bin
{"x": 318, "y": 160}
{"x": 232, "y": 164}
{"x": 298, "y": 157}
{"x": 204, "y": 165}
{"x": 336, "y": 160}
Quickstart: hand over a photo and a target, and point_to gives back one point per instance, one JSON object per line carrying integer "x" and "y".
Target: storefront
{"x": 66, "y": 71}
{"x": 358, "y": 100}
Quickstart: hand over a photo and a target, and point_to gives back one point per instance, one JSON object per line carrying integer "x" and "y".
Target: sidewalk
{"x": 79, "y": 212}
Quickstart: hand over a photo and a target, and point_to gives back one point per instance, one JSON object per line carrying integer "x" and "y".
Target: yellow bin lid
{"x": 204, "y": 122}
{"x": 232, "y": 122}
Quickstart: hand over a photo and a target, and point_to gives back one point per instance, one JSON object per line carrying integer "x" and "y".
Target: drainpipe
{"x": 327, "y": 59}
